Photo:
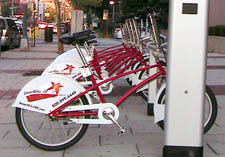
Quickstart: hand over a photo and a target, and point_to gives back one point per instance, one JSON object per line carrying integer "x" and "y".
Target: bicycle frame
{"x": 56, "y": 112}
{"x": 114, "y": 62}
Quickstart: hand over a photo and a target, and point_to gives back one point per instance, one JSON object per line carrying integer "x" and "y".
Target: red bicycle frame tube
{"x": 117, "y": 61}
{"x": 112, "y": 47}
{"x": 96, "y": 87}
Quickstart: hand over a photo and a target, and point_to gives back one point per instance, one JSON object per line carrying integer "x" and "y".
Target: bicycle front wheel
{"x": 210, "y": 109}
{"x": 47, "y": 133}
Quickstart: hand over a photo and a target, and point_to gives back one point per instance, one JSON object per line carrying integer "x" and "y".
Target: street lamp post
{"x": 112, "y": 3}
{"x": 12, "y": 7}
{"x": 38, "y": 11}
{"x": 1, "y": 33}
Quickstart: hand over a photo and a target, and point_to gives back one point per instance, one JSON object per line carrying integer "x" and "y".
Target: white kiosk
{"x": 187, "y": 49}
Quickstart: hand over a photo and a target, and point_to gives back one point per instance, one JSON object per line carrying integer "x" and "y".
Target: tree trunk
{"x": 58, "y": 24}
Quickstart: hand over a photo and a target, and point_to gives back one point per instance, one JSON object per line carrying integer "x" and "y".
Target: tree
{"x": 86, "y": 3}
{"x": 58, "y": 24}
{"x": 89, "y": 7}
{"x": 52, "y": 13}
{"x": 134, "y": 7}
{"x": 5, "y": 8}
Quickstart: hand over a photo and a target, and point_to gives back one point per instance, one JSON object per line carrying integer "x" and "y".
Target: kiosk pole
{"x": 188, "y": 25}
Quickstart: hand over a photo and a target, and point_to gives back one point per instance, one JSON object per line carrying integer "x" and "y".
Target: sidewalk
{"x": 142, "y": 138}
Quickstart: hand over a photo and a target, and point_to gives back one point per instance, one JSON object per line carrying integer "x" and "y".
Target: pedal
{"x": 108, "y": 113}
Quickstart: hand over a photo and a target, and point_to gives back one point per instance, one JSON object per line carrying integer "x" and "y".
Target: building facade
{"x": 217, "y": 12}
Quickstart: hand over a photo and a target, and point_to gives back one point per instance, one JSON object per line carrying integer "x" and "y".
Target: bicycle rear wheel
{"x": 48, "y": 133}
{"x": 210, "y": 112}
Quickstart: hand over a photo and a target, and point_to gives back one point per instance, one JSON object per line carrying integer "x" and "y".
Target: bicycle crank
{"x": 108, "y": 113}
{"x": 100, "y": 118}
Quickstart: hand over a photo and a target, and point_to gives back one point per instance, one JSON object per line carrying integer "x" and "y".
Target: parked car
{"x": 66, "y": 27}
{"x": 118, "y": 33}
{"x": 11, "y": 36}
{"x": 62, "y": 28}
{"x": 19, "y": 27}
{"x": 42, "y": 25}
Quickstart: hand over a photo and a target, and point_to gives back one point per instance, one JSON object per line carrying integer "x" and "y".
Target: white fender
{"x": 142, "y": 88}
{"x": 68, "y": 68}
{"x": 133, "y": 76}
{"x": 45, "y": 93}
{"x": 71, "y": 54}
{"x": 159, "y": 109}
{"x": 135, "y": 79}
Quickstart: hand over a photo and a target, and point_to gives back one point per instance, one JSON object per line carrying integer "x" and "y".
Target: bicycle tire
{"x": 213, "y": 105}
{"x": 39, "y": 143}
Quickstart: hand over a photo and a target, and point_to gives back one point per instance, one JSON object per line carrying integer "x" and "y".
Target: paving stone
{"x": 12, "y": 138}
{"x": 7, "y": 113}
{"x": 28, "y": 152}
{"x": 216, "y": 143}
{"x": 218, "y": 77}
{"x": 128, "y": 150}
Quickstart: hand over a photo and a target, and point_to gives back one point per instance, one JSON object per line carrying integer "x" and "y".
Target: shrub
{"x": 218, "y": 30}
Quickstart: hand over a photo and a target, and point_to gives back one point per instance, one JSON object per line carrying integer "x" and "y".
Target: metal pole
{"x": 24, "y": 40}
{"x": 38, "y": 11}
{"x": 12, "y": 7}
{"x": 76, "y": 22}
{"x": 113, "y": 15}
{"x": 25, "y": 22}
{"x": 1, "y": 32}
{"x": 34, "y": 24}
{"x": 188, "y": 24}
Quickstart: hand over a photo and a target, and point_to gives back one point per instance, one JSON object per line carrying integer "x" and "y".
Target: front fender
{"x": 67, "y": 68}
{"x": 44, "y": 94}
{"x": 71, "y": 54}
{"x": 159, "y": 109}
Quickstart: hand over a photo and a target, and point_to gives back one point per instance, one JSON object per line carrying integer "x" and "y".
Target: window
{"x": 2, "y": 23}
{"x": 11, "y": 24}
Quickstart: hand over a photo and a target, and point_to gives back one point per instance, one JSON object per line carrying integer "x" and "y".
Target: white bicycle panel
{"x": 43, "y": 94}
{"x": 68, "y": 68}
{"x": 159, "y": 109}
{"x": 71, "y": 54}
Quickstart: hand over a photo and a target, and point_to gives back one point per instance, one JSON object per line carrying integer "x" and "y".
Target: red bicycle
{"x": 53, "y": 111}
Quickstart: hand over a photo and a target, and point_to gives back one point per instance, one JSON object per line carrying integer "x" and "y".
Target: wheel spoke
{"x": 49, "y": 133}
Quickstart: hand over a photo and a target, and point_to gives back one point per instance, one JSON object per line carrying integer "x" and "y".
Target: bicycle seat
{"x": 89, "y": 42}
{"x": 92, "y": 36}
{"x": 79, "y": 38}
{"x": 85, "y": 32}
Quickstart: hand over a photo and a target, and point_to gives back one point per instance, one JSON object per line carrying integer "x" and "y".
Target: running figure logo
{"x": 36, "y": 97}
{"x": 68, "y": 70}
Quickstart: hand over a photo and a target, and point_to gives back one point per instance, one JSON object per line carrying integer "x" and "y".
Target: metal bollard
{"x": 1, "y": 33}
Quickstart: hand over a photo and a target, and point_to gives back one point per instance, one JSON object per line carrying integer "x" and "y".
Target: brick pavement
{"x": 142, "y": 139}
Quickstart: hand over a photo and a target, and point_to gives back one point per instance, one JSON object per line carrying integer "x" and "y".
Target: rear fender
{"x": 67, "y": 68}
{"x": 159, "y": 109}
{"x": 71, "y": 54}
{"x": 45, "y": 93}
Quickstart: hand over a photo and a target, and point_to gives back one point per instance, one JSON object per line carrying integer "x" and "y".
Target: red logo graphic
{"x": 68, "y": 67}
{"x": 36, "y": 97}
